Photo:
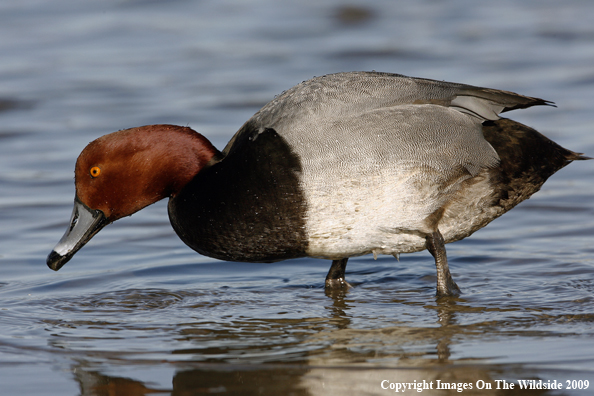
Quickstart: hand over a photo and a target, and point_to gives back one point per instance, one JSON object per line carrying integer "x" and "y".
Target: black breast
{"x": 247, "y": 207}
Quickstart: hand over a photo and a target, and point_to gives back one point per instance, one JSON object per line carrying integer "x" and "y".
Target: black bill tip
{"x": 84, "y": 224}
{"x": 56, "y": 261}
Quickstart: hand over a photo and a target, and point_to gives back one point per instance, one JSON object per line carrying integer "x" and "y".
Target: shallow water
{"x": 137, "y": 312}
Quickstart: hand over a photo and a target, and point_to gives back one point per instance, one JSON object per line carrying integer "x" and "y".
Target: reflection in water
{"x": 338, "y": 310}
{"x": 265, "y": 336}
{"x": 401, "y": 343}
{"x": 237, "y": 380}
{"x": 258, "y": 339}
{"x": 93, "y": 383}
{"x": 446, "y": 317}
{"x": 253, "y": 357}
{"x": 274, "y": 380}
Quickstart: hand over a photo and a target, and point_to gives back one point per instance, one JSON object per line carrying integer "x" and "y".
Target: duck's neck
{"x": 248, "y": 206}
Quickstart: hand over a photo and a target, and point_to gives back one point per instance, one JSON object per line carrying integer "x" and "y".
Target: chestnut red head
{"x": 120, "y": 173}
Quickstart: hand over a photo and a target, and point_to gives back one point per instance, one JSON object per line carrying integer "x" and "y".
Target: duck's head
{"x": 125, "y": 171}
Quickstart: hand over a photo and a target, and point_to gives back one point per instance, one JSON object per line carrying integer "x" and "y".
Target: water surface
{"x": 136, "y": 312}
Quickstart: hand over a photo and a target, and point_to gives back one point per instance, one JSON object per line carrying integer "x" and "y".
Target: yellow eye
{"x": 95, "y": 171}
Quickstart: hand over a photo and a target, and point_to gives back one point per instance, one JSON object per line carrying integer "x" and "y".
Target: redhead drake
{"x": 338, "y": 166}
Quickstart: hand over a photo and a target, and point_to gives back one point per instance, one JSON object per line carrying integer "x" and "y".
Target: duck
{"x": 339, "y": 166}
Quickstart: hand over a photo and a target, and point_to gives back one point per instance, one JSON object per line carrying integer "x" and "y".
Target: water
{"x": 137, "y": 312}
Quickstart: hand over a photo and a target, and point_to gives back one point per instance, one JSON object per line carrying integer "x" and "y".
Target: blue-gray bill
{"x": 84, "y": 224}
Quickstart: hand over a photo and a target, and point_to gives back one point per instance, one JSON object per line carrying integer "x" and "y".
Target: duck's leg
{"x": 335, "y": 278}
{"x": 445, "y": 284}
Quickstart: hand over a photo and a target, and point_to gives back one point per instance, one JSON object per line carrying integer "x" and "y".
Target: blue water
{"x": 137, "y": 312}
